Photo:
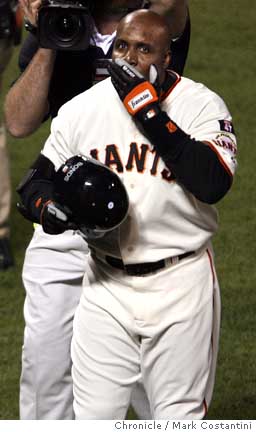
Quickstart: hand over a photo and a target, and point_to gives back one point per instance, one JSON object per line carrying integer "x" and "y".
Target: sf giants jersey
{"x": 164, "y": 218}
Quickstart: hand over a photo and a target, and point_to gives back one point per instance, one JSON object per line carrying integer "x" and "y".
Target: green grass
{"x": 22, "y": 153}
{"x": 222, "y": 55}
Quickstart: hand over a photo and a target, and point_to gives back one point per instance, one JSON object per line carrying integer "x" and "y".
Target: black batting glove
{"x": 141, "y": 99}
{"x": 55, "y": 218}
{"x": 139, "y": 96}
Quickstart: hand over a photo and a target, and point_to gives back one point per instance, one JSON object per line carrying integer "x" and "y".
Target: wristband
{"x": 30, "y": 27}
{"x": 168, "y": 139}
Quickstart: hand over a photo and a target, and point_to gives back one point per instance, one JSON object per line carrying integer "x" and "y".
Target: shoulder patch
{"x": 226, "y": 126}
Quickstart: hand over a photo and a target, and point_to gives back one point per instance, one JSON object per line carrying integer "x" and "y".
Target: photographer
{"x": 40, "y": 91}
{"x": 52, "y": 278}
{"x": 9, "y": 36}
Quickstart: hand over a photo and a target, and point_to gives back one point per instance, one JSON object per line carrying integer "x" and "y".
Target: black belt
{"x": 144, "y": 268}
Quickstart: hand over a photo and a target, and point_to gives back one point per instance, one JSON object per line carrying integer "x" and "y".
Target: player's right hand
{"x": 139, "y": 95}
{"x": 30, "y": 9}
{"x": 55, "y": 218}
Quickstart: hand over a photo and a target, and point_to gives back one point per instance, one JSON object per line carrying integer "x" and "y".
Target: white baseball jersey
{"x": 164, "y": 219}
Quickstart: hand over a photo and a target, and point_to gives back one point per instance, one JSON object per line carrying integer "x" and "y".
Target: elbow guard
{"x": 41, "y": 169}
{"x": 36, "y": 188}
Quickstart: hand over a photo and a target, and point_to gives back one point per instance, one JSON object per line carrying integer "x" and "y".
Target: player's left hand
{"x": 139, "y": 96}
{"x": 55, "y": 218}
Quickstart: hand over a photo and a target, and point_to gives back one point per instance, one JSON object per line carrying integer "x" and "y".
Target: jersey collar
{"x": 172, "y": 79}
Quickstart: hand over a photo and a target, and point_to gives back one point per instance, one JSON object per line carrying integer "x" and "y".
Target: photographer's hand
{"x": 30, "y": 9}
{"x": 175, "y": 12}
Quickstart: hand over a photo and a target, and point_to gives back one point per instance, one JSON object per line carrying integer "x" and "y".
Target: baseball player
{"x": 150, "y": 306}
{"x": 55, "y": 264}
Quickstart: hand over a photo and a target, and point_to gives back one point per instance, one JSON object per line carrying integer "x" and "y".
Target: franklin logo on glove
{"x": 133, "y": 89}
{"x": 140, "y": 99}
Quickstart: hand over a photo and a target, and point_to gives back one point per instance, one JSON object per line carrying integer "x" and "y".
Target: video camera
{"x": 65, "y": 25}
{"x": 10, "y": 21}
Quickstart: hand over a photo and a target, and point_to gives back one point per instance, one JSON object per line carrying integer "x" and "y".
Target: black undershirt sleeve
{"x": 194, "y": 164}
{"x": 179, "y": 49}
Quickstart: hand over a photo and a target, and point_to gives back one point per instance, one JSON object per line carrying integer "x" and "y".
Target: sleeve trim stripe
{"x": 223, "y": 163}
{"x": 165, "y": 94}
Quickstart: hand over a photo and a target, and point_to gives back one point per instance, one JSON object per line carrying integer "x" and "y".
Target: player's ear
{"x": 167, "y": 59}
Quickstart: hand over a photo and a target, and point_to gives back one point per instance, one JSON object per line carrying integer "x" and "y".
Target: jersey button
{"x": 130, "y": 248}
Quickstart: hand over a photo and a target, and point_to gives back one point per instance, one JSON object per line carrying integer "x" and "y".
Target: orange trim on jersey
{"x": 165, "y": 94}
{"x": 136, "y": 93}
{"x": 110, "y": 162}
{"x": 205, "y": 407}
{"x": 139, "y": 154}
{"x": 213, "y": 279}
{"x": 223, "y": 163}
{"x": 211, "y": 264}
{"x": 155, "y": 163}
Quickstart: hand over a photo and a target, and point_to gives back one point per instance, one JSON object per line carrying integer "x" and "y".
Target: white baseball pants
{"x": 53, "y": 271}
{"x": 162, "y": 328}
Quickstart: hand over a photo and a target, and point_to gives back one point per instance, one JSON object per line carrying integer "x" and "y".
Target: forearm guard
{"x": 195, "y": 165}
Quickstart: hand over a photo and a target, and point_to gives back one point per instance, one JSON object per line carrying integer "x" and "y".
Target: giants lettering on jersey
{"x": 137, "y": 160}
{"x": 225, "y": 141}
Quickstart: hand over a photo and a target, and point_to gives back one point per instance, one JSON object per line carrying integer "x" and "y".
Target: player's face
{"x": 141, "y": 45}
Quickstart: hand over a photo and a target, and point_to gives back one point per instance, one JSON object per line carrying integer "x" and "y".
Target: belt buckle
{"x": 175, "y": 260}
{"x": 171, "y": 261}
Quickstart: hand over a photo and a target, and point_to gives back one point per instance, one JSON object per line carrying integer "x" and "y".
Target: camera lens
{"x": 66, "y": 26}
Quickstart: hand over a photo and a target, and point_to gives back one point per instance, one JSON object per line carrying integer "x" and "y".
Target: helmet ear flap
{"x": 94, "y": 193}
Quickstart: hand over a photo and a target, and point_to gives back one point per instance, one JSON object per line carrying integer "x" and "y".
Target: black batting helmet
{"x": 95, "y": 195}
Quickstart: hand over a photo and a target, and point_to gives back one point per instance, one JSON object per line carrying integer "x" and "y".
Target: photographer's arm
{"x": 26, "y": 103}
{"x": 175, "y": 11}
